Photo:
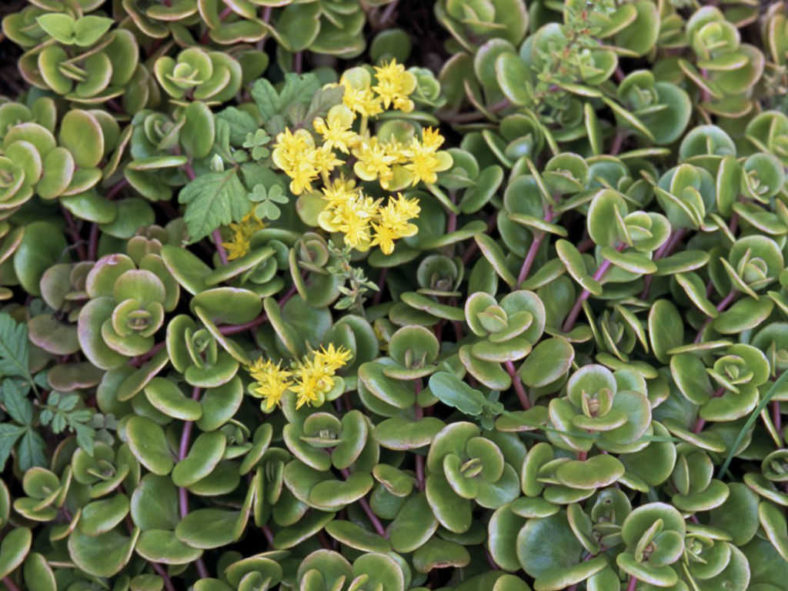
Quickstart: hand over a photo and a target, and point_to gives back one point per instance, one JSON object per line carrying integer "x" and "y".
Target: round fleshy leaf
{"x": 169, "y": 399}
{"x": 149, "y": 445}
{"x": 101, "y": 516}
{"x": 208, "y": 528}
{"x": 13, "y": 549}
{"x": 103, "y": 555}
{"x": 154, "y": 503}
{"x": 204, "y": 455}
{"x": 158, "y": 545}
{"x": 81, "y": 134}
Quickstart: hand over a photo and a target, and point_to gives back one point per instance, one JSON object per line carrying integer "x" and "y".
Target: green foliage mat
{"x": 388, "y": 295}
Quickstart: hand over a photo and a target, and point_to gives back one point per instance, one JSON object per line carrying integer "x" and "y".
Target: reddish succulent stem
{"x": 633, "y": 583}
{"x": 10, "y": 584}
{"x": 183, "y": 494}
{"x": 74, "y": 232}
{"x": 93, "y": 242}
{"x": 388, "y": 13}
{"x": 381, "y": 285}
{"x": 162, "y": 572}
{"x": 139, "y": 361}
{"x": 236, "y": 328}
{"x": 618, "y": 141}
{"x": 518, "y": 385}
{"x": 723, "y": 305}
{"x": 367, "y": 509}
{"x": 217, "y": 241}
{"x": 585, "y": 245}
{"x": 117, "y": 188}
{"x": 475, "y": 116}
{"x": 569, "y": 323}
{"x": 777, "y": 418}
{"x": 700, "y": 422}
{"x": 530, "y": 256}
{"x": 665, "y": 250}
{"x": 269, "y": 535}
{"x": 183, "y": 449}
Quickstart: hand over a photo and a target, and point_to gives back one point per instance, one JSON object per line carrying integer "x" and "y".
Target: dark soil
{"x": 11, "y": 83}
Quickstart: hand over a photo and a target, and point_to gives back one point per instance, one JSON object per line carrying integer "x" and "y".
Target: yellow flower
{"x": 295, "y": 154}
{"x": 426, "y": 162}
{"x": 395, "y": 84}
{"x": 333, "y": 358}
{"x": 397, "y": 150}
{"x": 312, "y": 381}
{"x": 243, "y": 231}
{"x": 384, "y": 238}
{"x": 339, "y": 191}
{"x": 272, "y": 382}
{"x": 314, "y": 378}
{"x": 358, "y": 95}
{"x": 393, "y": 222}
{"x": 302, "y": 175}
{"x": 336, "y": 129}
{"x": 404, "y": 207}
{"x": 325, "y": 160}
{"x": 431, "y": 139}
{"x": 239, "y": 244}
{"x": 352, "y": 218}
{"x": 373, "y": 161}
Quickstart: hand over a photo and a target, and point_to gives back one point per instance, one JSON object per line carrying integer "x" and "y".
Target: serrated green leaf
{"x": 212, "y": 200}
{"x": 13, "y": 348}
{"x": 16, "y": 403}
{"x": 32, "y": 450}
{"x": 9, "y": 434}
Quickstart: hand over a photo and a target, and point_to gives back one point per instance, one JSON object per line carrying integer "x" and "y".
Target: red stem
{"x": 367, "y": 509}
{"x": 183, "y": 494}
{"x": 700, "y": 423}
{"x": 117, "y": 188}
{"x": 93, "y": 242}
{"x": 236, "y": 328}
{"x": 388, "y": 13}
{"x": 10, "y": 584}
{"x": 726, "y": 301}
{"x": 618, "y": 141}
{"x": 777, "y": 418}
{"x": 75, "y": 237}
{"x": 518, "y": 385}
{"x": 665, "y": 250}
{"x": 142, "y": 359}
{"x": 420, "y": 471}
{"x": 569, "y": 323}
{"x": 162, "y": 572}
{"x": 381, "y": 284}
{"x": 530, "y": 256}
{"x": 633, "y": 583}
{"x": 216, "y": 235}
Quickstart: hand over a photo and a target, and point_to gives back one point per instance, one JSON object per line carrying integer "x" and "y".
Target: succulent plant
{"x": 344, "y": 295}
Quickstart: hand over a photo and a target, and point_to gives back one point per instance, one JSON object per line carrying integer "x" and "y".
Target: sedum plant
{"x": 381, "y": 295}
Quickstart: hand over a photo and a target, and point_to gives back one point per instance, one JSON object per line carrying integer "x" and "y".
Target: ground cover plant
{"x": 387, "y": 295}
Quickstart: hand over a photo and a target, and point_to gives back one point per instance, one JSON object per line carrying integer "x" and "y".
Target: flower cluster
{"x": 310, "y": 379}
{"x": 393, "y": 162}
{"x": 242, "y": 233}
